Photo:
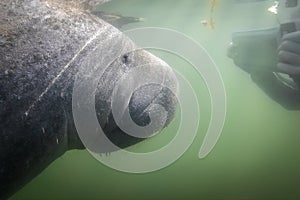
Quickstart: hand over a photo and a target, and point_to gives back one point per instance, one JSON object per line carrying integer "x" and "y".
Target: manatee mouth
{"x": 142, "y": 103}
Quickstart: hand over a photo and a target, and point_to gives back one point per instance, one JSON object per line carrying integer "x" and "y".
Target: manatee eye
{"x": 125, "y": 59}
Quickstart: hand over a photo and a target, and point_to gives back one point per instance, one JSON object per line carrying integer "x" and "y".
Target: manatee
{"x": 43, "y": 46}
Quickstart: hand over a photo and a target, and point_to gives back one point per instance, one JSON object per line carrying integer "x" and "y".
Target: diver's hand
{"x": 289, "y": 54}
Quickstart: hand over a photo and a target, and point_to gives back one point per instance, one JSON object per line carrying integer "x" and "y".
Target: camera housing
{"x": 256, "y": 50}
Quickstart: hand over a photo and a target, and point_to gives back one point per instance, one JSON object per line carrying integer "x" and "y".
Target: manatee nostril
{"x": 125, "y": 59}
{"x": 143, "y": 100}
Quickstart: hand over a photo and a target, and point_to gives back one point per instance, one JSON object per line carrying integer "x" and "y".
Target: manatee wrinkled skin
{"x": 43, "y": 45}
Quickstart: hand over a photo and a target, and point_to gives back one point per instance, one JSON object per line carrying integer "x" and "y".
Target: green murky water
{"x": 258, "y": 154}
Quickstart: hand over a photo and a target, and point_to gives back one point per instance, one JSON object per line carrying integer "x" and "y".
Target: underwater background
{"x": 258, "y": 153}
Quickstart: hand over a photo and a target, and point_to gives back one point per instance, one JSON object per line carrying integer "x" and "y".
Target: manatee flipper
{"x": 117, "y": 20}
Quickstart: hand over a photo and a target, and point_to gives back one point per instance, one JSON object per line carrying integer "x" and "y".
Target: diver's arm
{"x": 288, "y": 63}
{"x": 283, "y": 94}
{"x": 289, "y": 54}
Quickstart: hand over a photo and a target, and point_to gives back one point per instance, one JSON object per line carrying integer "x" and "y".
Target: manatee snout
{"x": 152, "y": 86}
{"x": 143, "y": 100}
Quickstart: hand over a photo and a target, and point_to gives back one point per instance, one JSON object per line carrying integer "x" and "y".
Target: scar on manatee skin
{"x": 105, "y": 154}
{"x": 62, "y": 71}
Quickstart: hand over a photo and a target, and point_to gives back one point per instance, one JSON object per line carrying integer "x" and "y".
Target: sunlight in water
{"x": 210, "y": 22}
{"x": 274, "y": 8}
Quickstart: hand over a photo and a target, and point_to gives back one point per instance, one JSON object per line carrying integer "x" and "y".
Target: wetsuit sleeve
{"x": 286, "y": 96}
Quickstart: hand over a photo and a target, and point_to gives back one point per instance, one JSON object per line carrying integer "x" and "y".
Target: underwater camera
{"x": 256, "y": 50}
